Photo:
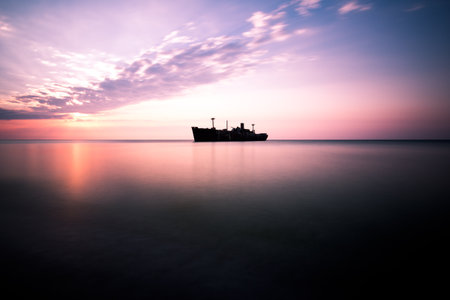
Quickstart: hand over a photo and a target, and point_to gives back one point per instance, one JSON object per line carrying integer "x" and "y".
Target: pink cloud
{"x": 415, "y": 7}
{"x": 5, "y": 27}
{"x": 353, "y": 6}
{"x": 178, "y": 64}
{"x": 304, "y": 6}
{"x": 266, "y": 28}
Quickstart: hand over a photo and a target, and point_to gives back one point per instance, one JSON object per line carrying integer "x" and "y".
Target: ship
{"x": 238, "y": 134}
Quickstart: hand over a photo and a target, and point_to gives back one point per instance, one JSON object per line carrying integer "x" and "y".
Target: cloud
{"x": 178, "y": 64}
{"x": 266, "y": 28}
{"x": 168, "y": 72}
{"x": 5, "y": 27}
{"x": 7, "y": 114}
{"x": 415, "y": 7}
{"x": 304, "y": 6}
{"x": 353, "y": 6}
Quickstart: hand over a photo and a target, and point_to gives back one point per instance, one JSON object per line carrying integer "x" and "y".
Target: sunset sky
{"x": 301, "y": 69}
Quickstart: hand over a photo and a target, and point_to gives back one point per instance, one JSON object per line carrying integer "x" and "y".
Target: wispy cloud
{"x": 178, "y": 64}
{"x": 8, "y": 114}
{"x": 266, "y": 28}
{"x": 5, "y": 27}
{"x": 305, "y": 6}
{"x": 415, "y": 7}
{"x": 353, "y": 6}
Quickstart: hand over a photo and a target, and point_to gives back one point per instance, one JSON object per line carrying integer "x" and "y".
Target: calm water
{"x": 273, "y": 220}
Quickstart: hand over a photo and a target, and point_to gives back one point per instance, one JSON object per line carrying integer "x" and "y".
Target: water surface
{"x": 275, "y": 219}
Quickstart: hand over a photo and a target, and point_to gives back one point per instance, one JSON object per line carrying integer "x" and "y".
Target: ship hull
{"x": 214, "y": 135}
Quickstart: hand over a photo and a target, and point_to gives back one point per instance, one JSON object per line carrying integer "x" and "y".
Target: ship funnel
{"x": 242, "y": 126}
{"x": 253, "y": 127}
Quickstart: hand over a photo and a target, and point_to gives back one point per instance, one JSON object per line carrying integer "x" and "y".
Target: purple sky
{"x": 298, "y": 69}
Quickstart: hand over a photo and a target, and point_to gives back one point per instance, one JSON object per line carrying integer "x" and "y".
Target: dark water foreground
{"x": 263, "y": 220}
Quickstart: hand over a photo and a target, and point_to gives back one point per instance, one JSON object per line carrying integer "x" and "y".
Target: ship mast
{"x": 212, "y": 119}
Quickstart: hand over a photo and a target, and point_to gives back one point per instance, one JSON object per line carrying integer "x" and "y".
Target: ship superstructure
{"x": 224, "y": 135}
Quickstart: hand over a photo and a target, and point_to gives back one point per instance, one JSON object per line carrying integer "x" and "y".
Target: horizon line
{"x": 186, "y": 140}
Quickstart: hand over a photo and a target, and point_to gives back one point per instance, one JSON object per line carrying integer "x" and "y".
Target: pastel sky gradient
{"x": 300, "y": 69}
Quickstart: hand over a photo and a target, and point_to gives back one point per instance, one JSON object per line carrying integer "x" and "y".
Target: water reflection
{"x": 82, "y": 169}
{"x": 216, "y": 220}
{"x": 85, "y": 170}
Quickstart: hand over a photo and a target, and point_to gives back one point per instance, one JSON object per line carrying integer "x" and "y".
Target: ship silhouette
{"x": 238, "y": 134}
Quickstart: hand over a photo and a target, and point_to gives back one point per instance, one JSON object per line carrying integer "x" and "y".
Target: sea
{"x": 97, "y": 219}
